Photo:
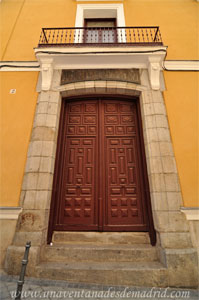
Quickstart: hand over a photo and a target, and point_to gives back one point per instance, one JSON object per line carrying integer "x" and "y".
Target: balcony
{"x": 100, "y": 36}
{"x": 76, "y": 48}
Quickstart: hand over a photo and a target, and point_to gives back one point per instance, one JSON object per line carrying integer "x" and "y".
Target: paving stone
{"x": 9, "y": 283}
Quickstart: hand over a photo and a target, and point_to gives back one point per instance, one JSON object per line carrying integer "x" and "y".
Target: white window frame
{"x": 115, "y": 10}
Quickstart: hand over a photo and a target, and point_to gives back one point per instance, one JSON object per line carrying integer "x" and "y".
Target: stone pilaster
{"x": 176, "y": 249}
{"x": 37, "y": 182}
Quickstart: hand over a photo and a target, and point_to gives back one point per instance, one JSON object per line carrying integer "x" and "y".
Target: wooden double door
{"x": 100, "y": 182}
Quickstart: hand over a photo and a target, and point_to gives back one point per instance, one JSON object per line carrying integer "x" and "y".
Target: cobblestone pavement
{"x": 53, "y": 289}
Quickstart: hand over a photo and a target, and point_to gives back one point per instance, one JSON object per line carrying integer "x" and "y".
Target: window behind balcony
{"x": 100, "y": 31}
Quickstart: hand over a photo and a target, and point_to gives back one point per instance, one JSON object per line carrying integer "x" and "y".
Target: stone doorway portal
{"x": 175, "y": 253}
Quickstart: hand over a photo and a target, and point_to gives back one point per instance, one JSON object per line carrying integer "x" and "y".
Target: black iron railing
{"x": 77, "y": 36}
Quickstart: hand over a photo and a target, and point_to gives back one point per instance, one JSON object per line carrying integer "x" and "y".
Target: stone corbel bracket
{"x": 154, "y": 68}
{"x": 47, "y": 73}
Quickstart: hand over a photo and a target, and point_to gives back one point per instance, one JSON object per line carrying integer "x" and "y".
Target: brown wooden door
{"x": 124, "y": 208}
{"x": 78, "y": 192}
{"x": 99, "y": 182}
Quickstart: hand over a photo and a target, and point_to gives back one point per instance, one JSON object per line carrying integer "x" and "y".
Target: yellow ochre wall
{"x": 17, "y": 112}
{"x": 21, "y": 23}
{"x": 34, "y": 15}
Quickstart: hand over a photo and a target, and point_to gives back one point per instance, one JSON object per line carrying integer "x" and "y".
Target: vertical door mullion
{"x": 100, "y": 167}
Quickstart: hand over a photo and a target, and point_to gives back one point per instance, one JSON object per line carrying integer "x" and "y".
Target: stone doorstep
{"x": 125, "y": 273}
{"x": 179, "y": 270}
{"x": 183, "y": 273}
{"x": 99, "y": 253}
{"x": 102, "y": 238}
{"x": 102, "y": 263}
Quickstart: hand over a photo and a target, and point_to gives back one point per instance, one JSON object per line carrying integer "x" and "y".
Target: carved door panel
{"x": 123, "y": 200}
{"x": 99, "y": 182}
{"x": 79, "y": 208}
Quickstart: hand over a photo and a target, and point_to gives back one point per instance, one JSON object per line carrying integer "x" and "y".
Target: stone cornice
{"x": 10, "y": 213}
{"x": 191, "y": 213}
{"x": 18, "y": 66}
{"x": 181, "y": 65}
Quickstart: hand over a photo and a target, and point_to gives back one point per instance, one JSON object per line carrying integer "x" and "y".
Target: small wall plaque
{"x": 13, "y": 91}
